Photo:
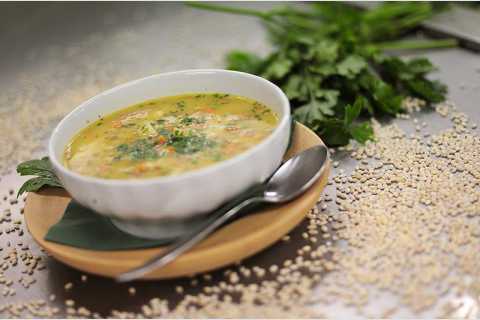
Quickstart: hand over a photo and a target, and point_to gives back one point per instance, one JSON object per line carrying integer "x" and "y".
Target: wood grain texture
{"x": 232, "y": 243}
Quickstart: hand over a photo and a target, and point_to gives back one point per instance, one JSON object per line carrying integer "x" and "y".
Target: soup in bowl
{"x": 169, "y": 136}
{"x": 172, "y": 145}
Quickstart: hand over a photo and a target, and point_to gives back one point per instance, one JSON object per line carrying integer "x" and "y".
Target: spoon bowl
{"x": 296, "y": 175}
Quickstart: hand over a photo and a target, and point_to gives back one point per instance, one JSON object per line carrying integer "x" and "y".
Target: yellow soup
{"x": 168, "y": 136}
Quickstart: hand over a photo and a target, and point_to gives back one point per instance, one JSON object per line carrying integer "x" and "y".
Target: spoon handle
{"x": 185, "y": 243}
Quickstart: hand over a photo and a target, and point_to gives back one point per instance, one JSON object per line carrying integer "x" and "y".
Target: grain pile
{"x": 410, "y": 215}
{"x": 405, "y": 221}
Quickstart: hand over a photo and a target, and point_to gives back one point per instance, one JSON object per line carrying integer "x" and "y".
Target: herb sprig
{"x": 330, "y": 61}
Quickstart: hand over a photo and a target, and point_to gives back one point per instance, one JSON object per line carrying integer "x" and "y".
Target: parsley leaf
{"x": 277, "y": 67}
{"x": 244, "y": 61}
{"x": 352, "y": 112}
{"x": 361, "y": 132}
{"x": 351, "y": 66}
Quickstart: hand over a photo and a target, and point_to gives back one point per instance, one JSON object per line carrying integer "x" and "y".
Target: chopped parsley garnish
{"x": 142, "y": 149}
{"x": 188, "y": 143}
{"x": 258, "y": 110}
{"x": 182, "y": 142}
{"x": 220, "y": 95}
{"x": 181, "y": 105}
{"x": 191, "y": 120}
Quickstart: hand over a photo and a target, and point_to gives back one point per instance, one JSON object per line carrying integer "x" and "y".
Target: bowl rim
{"x": 284, "y": 121}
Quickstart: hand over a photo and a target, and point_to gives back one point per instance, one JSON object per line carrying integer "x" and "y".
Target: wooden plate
{"x": 230, "y": 244}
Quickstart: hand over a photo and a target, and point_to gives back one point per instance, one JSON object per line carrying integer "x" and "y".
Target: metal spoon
{"x": 290, "y": 180}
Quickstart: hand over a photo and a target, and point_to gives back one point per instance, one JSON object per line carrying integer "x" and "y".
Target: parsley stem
{"x": 416, "y": 44}
{"x": 230, "y": 9}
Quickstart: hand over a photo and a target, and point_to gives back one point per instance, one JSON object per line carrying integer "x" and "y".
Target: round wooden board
{"x": 232, "y": 243}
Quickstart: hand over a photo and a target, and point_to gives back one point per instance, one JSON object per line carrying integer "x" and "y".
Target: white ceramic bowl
{"x": 183, "y": 195}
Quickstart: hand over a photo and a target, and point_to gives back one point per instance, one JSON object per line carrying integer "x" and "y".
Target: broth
{"x": 169, "y": 135}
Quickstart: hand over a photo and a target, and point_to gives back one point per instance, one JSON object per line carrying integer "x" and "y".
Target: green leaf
{"x": 295, "y": 87}
{"x": 384, "y": 96}
{"x": 35, "y": 167}
{"x": 42, "y": 168}
{"x": 406, "y": 70}
{"x": 411, "y": 77}
{"x": 278, "y": 67}
{"x": 334, "y": 133}
{"x": 244, "y": 61}
{"x": 431, "y": 91}
{"x": 388, "y": 101}
{"x": 352, "y": 112}
{"x": 396, "y": 68}
{"x": 327, "y": 99}
{"x": 420, "y": 66}
{"x": 35, "y": 184}
{"x": 323, "y": 70}
{"x": 309, "y": 113}
{"x": 362, "y": 132}
{"x": 326, "y": 51}
{"x": 319, "y": 105}
{"x": 351, "y": 66}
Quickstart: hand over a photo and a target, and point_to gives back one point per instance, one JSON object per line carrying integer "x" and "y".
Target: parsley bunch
{"x": 330, "y": 62}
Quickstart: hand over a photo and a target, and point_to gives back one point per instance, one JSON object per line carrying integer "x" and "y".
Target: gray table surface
{"x": 60, "y": 46}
